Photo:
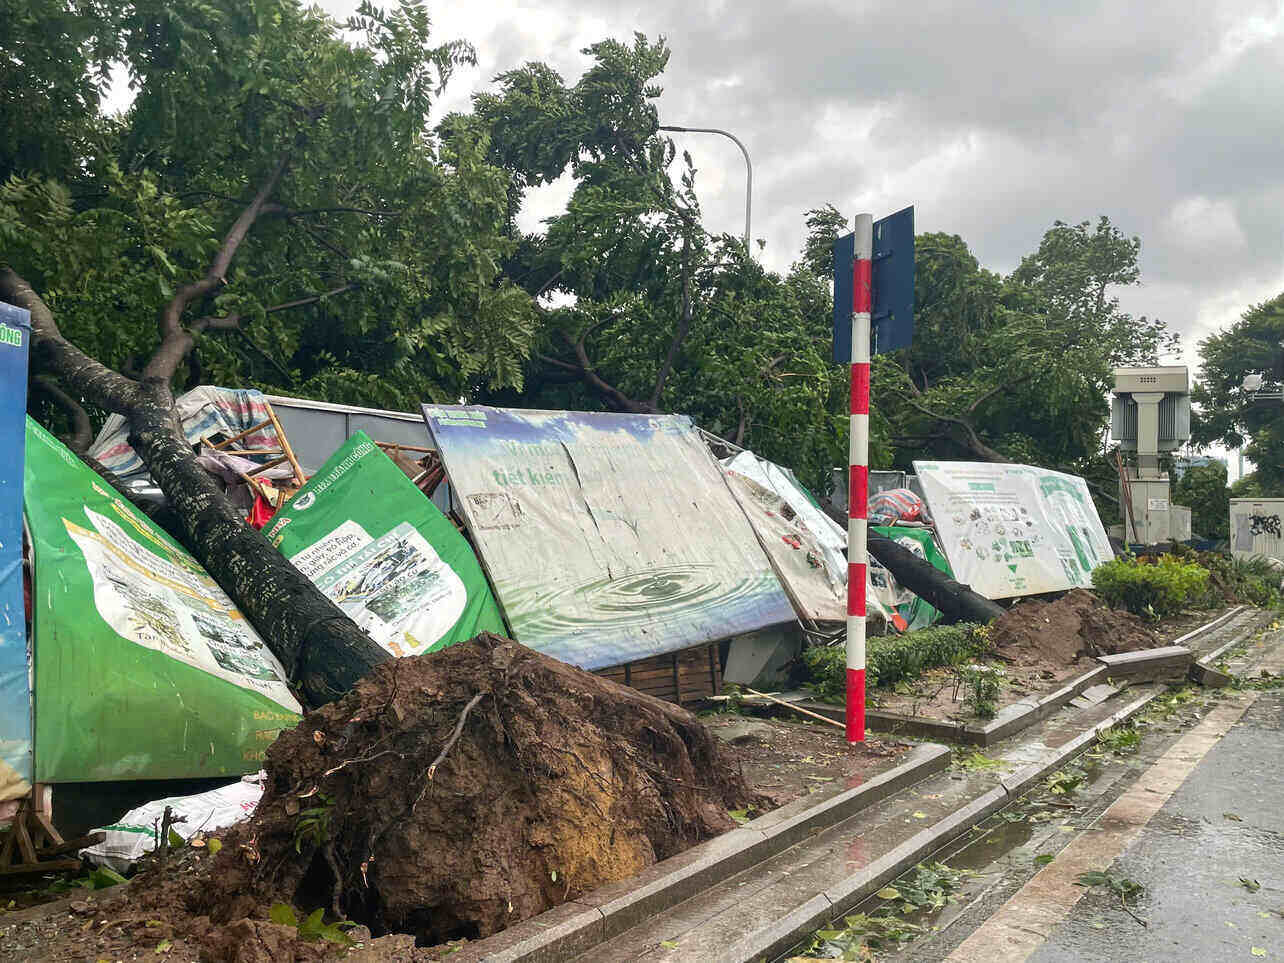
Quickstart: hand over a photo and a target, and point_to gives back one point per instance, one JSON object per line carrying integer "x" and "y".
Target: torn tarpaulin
{"x": 204, "y": 412}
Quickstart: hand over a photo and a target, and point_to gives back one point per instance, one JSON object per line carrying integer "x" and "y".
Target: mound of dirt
{"x": 454, "y": 794}
{"x": 1058, "y": 635}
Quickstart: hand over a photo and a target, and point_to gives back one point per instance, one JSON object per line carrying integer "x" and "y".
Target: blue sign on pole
{"x": 15, "y": 689}
{"x": 892, "y": 320}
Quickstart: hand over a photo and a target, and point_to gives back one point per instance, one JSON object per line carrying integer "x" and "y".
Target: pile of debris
{"x": 1063, "y": 633}
{"x": 453, "y": 795}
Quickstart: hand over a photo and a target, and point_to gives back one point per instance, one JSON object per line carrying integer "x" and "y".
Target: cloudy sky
{"x": 992, "y": 120}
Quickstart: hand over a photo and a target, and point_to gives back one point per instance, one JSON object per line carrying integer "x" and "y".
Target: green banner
{"x": 144, "y": 669}
{"x": 385, "y": 554}
{"x": 916, "y": 612}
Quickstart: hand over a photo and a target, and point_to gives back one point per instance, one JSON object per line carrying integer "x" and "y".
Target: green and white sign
{"x": 385, "y": 554}
{"x": 144, "y": 668}
{"x": 1012, "y": 530}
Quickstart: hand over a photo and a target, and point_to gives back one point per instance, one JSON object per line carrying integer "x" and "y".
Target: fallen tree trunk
{"x": 323, "y": 651}
{"x": 954, "y": 599}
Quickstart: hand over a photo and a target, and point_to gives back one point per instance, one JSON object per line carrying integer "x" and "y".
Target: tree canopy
{"x": 385, "y": 266}
{"x": 1226, "y": 412}
{"x": 371, "y": 271}
{"x": 1018, "y": 368}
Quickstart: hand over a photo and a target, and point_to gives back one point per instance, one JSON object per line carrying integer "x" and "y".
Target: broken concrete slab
{"x": 1093, "y": 695}
{"x": 1170, "y": 663}
{"x": 1099, "y": 693}
{"x": 1208, "y": 675}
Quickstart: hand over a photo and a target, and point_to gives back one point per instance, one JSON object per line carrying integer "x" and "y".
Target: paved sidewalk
{"x": 1226, "y": 821}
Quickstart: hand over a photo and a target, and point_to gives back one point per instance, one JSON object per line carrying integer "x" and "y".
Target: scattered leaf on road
{"x": 1259, "y": 951}
{"x": 669, "y": 944}
{"x": 920, "y": 815}
{"x": 1232, "y": 817}
{"x": 1251, "y": 885}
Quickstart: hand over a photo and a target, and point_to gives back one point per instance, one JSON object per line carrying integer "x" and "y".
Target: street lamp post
{"x": 748, "y": 166}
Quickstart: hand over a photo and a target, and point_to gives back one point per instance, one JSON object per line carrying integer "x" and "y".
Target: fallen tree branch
{"x": 790, "y": 705}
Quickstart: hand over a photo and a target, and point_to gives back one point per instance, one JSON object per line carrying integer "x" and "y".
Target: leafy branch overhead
{"x": 276, "y": 209}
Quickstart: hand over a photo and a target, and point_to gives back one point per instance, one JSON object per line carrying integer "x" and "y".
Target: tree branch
{"x": 974, "y": 442}
{"x": 101, "y": 386}
{"x": 986, "y": 396}
{"x": 175, "y": 341}
{"x": 743, "y": 425}
{"x": 82, "y": 429}
{"x": 231, "y": 322}
{"x": 283, "y": 211}
{"x": 595, "y": 381}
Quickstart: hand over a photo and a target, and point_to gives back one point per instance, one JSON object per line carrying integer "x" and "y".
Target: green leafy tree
{"x": 1018, "y": 368}
{"x": 54, "y": 61}
{"x": 644, "y": 310}
{"x": 1226, "y": 412}
{"x": 1203, "y": 489}
{"x": 272, "y": 209}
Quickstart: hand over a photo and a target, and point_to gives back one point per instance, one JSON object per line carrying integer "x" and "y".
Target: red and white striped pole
{"x": 858, "y": 477}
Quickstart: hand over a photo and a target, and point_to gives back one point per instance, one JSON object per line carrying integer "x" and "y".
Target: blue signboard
{"x": 892, "y": 318}
{"x": 15, "y": 688}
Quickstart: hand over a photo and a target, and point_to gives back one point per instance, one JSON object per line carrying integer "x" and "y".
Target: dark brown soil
{"x": 1042, "y": 645}
{"x": 785, "y": 759}
{"x": 559, "y": 781}
{"x": 1053, "y": 636}
{"x": 395, "y": 808}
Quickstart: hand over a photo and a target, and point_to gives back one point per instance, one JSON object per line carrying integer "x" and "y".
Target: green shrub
{"x": 891, "y": 658}
{"x": 1150, "y": 586}
{"x": 982, "y": 684}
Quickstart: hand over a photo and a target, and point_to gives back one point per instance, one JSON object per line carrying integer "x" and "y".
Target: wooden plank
{"x": 19, "y": 829}
{"x": 285, "y": 445}
{"x": 687, "y": 676}
{"x": 266, "y": 465}
{"x": 71, "y": 845}
{"x": 52, "y": 866}
{"x": 248, "y": 431}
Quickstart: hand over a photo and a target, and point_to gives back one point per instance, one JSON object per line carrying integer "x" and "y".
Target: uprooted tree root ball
{"x": 454, "y": 794}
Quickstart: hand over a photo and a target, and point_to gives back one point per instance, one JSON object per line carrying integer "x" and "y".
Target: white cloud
{"x": 1202, "y": 226}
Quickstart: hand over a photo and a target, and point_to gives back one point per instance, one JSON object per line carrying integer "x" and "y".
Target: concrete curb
{"x": 775, "y": 939}
{"x": 1206, "y": 673}
{"x": 1210, "y": 626}
{"x": 577, "y": 926}
{"x": 1010, "y": 720}
{"x": 1170, "y": 664}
